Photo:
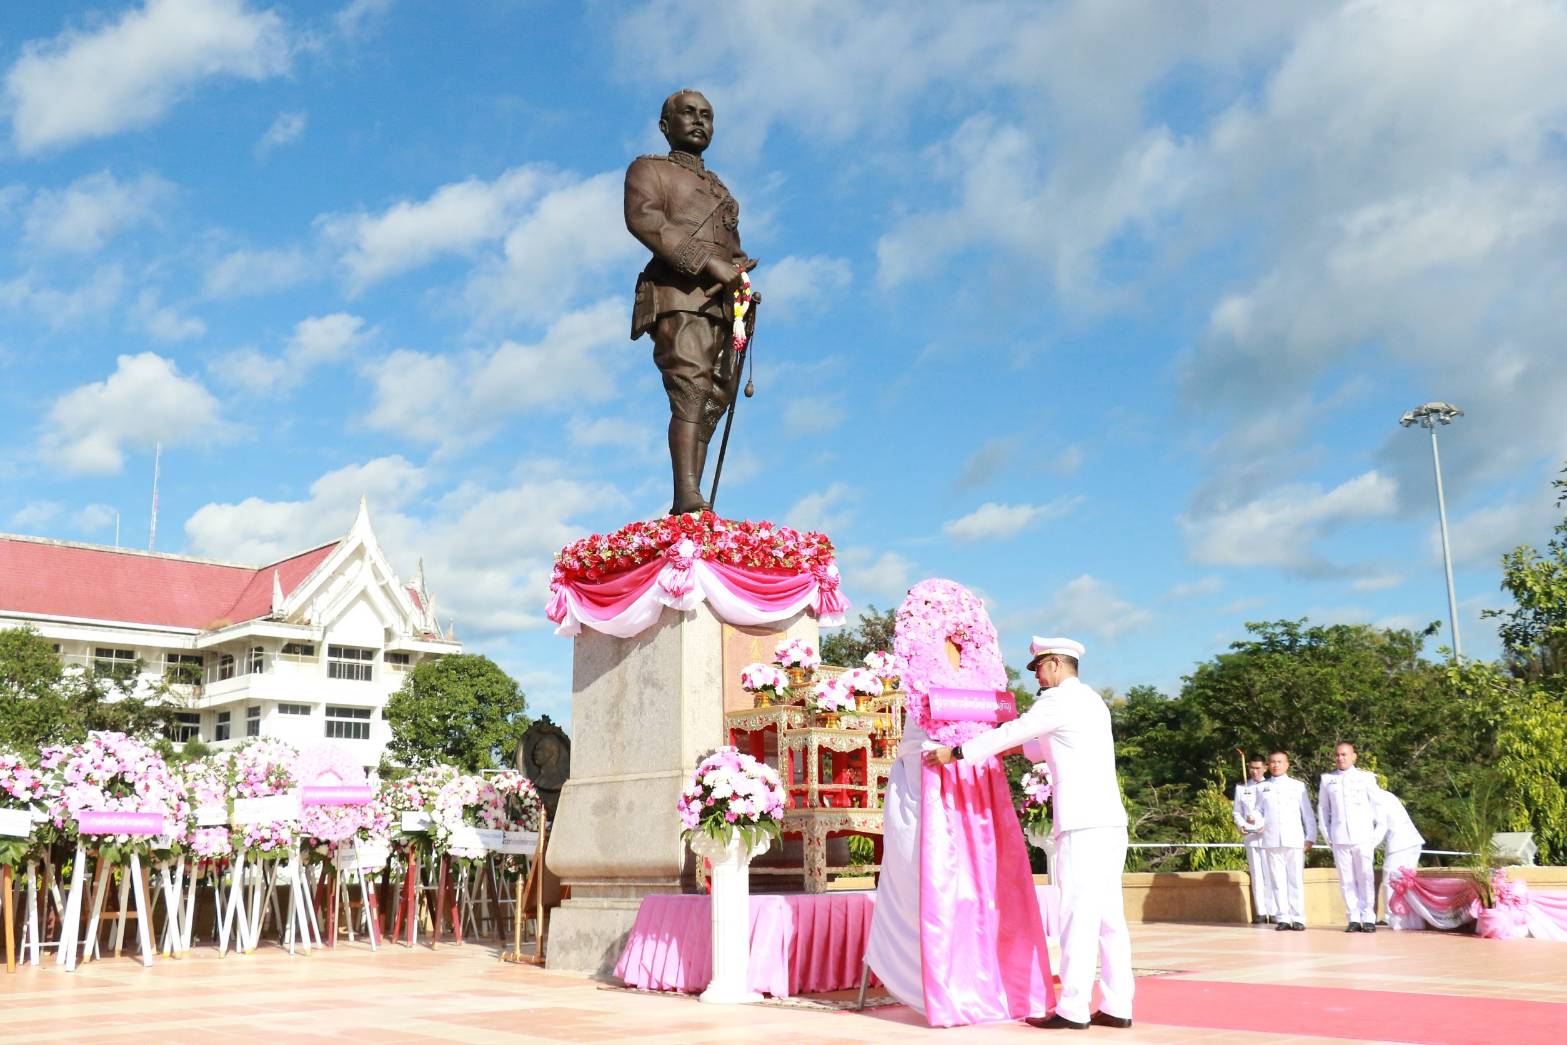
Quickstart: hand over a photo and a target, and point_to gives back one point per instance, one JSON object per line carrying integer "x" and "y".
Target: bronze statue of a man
{"x": 680, "y": 211}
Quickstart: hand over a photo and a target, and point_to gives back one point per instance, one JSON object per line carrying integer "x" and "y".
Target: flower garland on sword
{"x": 748, "y": 572}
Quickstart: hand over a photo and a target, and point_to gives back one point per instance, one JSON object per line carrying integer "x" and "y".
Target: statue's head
{"x": 686, "y": 121}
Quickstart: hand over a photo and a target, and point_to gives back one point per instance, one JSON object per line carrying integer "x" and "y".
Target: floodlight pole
{"x": 1447, "y": 553}
{"x": 1428, "y": 416}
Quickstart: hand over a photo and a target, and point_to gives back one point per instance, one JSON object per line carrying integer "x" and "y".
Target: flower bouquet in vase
{"x": 732, "y": 811}
{"x": 767, "y": 684}
{"x": 799, "y": 659}
{"x": 1034, "y": 811}
{"x": 886, "y": 667}
{"x": 829, "y": 698}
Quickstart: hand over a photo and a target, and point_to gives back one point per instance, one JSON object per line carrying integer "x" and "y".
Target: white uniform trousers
{"x": 1261, "y": 888}
{"x": 1287, "y": 876}
{"x": 1392, "y": 862}
{"x": 1088, "y": 867}
{"x": 1357, "y": 880}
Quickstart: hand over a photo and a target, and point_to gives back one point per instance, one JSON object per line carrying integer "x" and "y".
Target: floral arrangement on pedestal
{"x": 767, "y": 683}
{"x": 732, "y": 794}
{"x": 113, "y": 773}
{"x": 1033, "y": 812}
{"x": 466, "y": 801}
{"x": 263, "y": 768}
{"x": 799, "y": 659}
{"x": 22, "y": 790}
{"x": 830, "y": 697}
{"x": 862, "y": 682}
{"x": 885, "y": 666}
{"x": 748, "y": 572}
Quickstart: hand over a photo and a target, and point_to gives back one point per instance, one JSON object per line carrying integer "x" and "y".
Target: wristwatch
{"x": 957, "y": 752}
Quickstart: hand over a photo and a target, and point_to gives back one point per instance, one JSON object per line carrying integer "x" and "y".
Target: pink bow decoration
{"x": 675, "y": 578}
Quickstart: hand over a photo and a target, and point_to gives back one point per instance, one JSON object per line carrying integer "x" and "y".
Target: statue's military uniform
{"x": 681, "y": 212}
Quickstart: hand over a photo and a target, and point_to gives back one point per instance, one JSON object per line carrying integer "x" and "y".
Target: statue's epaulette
{"x": 656, "y": 156}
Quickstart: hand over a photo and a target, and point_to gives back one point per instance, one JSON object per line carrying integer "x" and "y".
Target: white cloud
{"x": 360, "y": 16}
{"x": 64, "y": 308}
{"x": 1087, "y": 605}
{"x": 812, "y": 415}
{"x": 871, "y": 577}
{"x": 455, "y": 219}
{"x": 1282, "y": 527}
{"x": 1483, "y": 536}
{"x": 285, "y": 130}
{"x": 125, "y": 74}
{"x": 1198, "y": 589}
{"x": 616, "y": 432}
{"x": 796, "y": 285}
{"x": 83, "y": 216}
{"x": 246, "y": 272}
{"x": 164, "y": 322}
{"x": 493, "y": 579}
{"x": 316, "y": 340}
{"x": 145, "y": 401}
{"x": 1377, "y": 582}
{"x": 992, "y": 521}
{"x": 823, "y": 510}
{"x": 34, "y": 516}
{"x": 456, "y": 400}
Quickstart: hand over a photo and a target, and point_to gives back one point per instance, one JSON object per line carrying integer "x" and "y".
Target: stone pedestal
{"x": 643, "y": 710}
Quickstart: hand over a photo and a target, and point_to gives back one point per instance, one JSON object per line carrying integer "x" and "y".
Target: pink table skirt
{"x": 800, "y": 943}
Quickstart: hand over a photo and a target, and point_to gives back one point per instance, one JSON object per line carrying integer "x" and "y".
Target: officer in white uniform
{"x": 1347, "y": 809}
{"x": 1248, "y": 821}
{"x": 1289, "y": 828}
{"x": 1401, "y": 845}
{"x": 1069, "y": 727}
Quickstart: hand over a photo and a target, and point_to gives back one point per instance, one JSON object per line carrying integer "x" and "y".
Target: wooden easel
{"x": 530, "y": 903}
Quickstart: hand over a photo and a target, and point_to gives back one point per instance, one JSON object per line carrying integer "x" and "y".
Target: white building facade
{"x": 304, "y": 649}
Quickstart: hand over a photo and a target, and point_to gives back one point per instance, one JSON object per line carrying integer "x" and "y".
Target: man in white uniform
{"x": 1347, "y": 810}
{"x": 1248, "y": 821}
{"x": 1289, "y": 827}
{"x": 1400, "y": 849}
{"x": 1069, "y": 727}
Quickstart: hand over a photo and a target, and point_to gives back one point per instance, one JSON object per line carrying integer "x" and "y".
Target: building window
{"x": 183, "y": 668}
{"x": 120, "y": 663}
{"x": 226, "y": 666}
{"x": 222, "y": 730}
{"x": 398, "y": 661}
{"x": 253, "y": 720}
{"x": 293, "y": 709}
{"x": 187, "y": 726}
{"x": 256, "y": 660}
{"x": 349, "y": 662}
{"x": 347, "y": 723}
{"x": 299, "y": 650}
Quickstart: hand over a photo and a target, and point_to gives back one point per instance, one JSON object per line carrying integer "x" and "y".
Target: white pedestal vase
{"x": 1043, "y": 838}
{"x": 731, "y": 914}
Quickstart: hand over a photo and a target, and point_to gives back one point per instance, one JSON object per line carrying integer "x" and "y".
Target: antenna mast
{"x": 152, "y": 530}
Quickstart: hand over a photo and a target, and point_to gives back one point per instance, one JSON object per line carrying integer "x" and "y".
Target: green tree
{"x": 846, "y": 647}
{"x": 461, "y": 709}
{"x": 1534, "y": 631}
{"x": 43, "y": 703}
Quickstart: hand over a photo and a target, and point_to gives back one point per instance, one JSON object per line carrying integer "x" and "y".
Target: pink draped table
{"x": 800, "y": 943}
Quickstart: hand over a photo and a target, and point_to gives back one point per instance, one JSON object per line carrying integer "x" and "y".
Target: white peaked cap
{"x": 1043, "y": 647}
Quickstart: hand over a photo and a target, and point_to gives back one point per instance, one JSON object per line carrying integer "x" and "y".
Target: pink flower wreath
{"x": 934, "y": 613}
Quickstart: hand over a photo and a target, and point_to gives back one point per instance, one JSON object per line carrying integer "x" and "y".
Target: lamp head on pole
{"x": 1429, "y": 415}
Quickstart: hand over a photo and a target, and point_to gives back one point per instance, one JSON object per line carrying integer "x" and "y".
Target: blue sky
{"x": 1106, "y": 309}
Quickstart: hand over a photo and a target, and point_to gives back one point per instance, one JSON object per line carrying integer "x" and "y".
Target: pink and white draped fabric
{"x": 982, "y": 936}
{"x": 1520, "y": 912}
{"x": 629, "y": 603}
{"x": 1444, "y": 903}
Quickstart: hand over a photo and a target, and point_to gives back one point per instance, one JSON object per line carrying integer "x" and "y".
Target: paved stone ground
{"x": 464, "y": 994}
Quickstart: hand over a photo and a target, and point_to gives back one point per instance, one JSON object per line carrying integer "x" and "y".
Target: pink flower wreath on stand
{"x": 935, "y": 613}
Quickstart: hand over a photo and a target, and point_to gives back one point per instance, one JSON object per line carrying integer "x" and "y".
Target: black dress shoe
{"x": 1260, "y": 919}
{"x": 1104, "y": 1019}
{"x": 1368, "y": 927}
{"x": 1299, "y": 927}
{"x": 1352, "y": 927}
{"x": 1055, "y": 1022}
{"x": 1282, "y": 927}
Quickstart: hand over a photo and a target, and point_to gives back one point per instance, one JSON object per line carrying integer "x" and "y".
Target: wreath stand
{"x": 528, "y": 904}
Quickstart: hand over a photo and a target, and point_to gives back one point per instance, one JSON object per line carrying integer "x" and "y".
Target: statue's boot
{"x": 687, "y": 454}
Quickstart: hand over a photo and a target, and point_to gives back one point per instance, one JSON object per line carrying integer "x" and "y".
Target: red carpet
{"x": 1429, "y": 1019}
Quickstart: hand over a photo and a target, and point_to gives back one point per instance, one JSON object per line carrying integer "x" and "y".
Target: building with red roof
{"x": 304, "y": 648}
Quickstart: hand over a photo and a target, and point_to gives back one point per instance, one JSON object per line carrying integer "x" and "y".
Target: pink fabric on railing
{"x": 800, "y": 944}
{"x": 982, "y": 938}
